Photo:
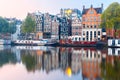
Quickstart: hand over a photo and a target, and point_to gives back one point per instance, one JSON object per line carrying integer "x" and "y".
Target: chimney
{"x": 83, "y": 7}
{"x": 102, "y": 6}
{"x": 91, "y": 6}
{"x": 61, "y": 12}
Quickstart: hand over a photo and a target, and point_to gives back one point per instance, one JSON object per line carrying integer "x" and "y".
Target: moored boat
{"x": 113, "y": 43}
{"x": 41, "y": 42}
{"x": 77, "y": 41}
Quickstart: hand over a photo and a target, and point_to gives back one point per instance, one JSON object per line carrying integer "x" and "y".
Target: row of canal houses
{"x": 70, "y": 22}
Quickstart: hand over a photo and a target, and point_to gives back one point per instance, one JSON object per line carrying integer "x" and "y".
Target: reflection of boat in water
{"x": 40, "y": 42}
{"x": 114, "y": 43}
{"x": 3, "y": 47}
{"x": 43, "y": 48}
{"x": 114, "y": 51}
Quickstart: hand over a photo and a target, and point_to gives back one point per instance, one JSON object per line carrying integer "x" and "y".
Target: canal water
{"x": 59, "y": 63}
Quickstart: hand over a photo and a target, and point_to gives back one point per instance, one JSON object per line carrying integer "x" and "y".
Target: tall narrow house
{"x": 55, "y": 28}
{"x": 47, "y": 25}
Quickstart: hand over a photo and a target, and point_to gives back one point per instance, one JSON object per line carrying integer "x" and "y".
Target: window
{"x": 76, "y": 33}
{"x": 91, "y": 26}
{"x": 91, "y": 12}
{"x": 86, "y": 19}
{"x": 75, "y": 39}
{"x": 113, "y": 42}
{"x": 94, "y": 18}
{"x": 118, "y": 52}
{"x": 94, "y": 33}
{"x": 79, "y": 39}
{"x": 87, "y": 38}
{"x": 87, "y": 33}
{"x": 64, "y": 29}
{"x": 76, "y": 27}
{"x": 118, "y": 41}
{"x": 94, "y": 26}
{"x": 83, "y": 39}
{"x": 90, "y": 33}
{"x": 113, "y": 51}
{"x": 98, "y": 39}
{"x": 91, "y": 18}
{"x": 98, "y": 32}
{"x": 83, "y": 25}
{"x": 83, "y": 32}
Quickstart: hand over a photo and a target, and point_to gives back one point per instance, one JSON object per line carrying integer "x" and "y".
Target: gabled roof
{"x": 98, "y": 10}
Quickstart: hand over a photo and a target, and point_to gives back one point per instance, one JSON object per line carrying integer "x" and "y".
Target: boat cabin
{"x": 75, "y": 38}
{"x": 114, "y": 42}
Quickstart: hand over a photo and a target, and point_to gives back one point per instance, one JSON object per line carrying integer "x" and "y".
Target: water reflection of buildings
{"x": 6, "y": 55}
{"x": 110, "y": 64}
{"x": 112, "y": 54}
{"x": 76, "y": 60}
{"x": 91, "y": 60}
{"x": 71, "y": 61}
{"x": 114, "y": 51}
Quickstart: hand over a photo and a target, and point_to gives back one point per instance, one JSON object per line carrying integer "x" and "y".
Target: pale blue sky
{"x": 20, "y": 8}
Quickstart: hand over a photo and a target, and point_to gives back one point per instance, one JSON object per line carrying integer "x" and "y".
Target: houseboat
{"x": 42, "y": 48}
{"x": 77, "y": 41}
{"x": 41, "y": 42}
{"x": 113, "y": 43}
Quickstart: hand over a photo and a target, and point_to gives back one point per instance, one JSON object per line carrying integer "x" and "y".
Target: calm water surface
{"x": 58, "y": 63}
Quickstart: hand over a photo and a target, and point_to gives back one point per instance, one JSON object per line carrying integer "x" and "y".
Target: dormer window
{"x": 91, "y": 12}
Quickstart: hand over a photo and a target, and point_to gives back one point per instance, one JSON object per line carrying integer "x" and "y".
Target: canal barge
{"x": 41, "y": 42}
{"x": 75, "y": 41}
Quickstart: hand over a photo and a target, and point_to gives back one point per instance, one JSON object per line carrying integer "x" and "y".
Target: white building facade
{"x": 91, "y": 34}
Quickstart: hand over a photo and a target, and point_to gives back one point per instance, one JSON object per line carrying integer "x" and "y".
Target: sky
{"x": 20, "y": 8}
